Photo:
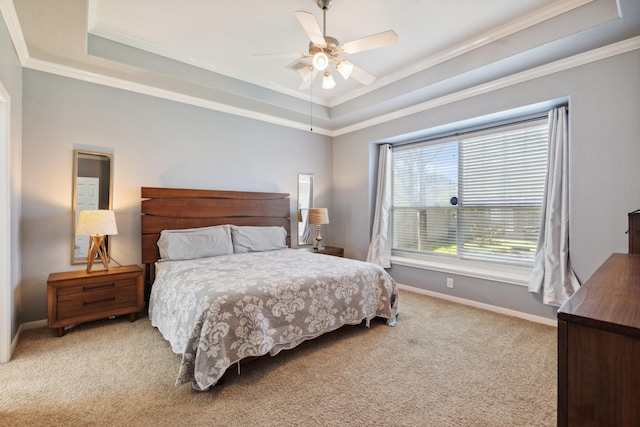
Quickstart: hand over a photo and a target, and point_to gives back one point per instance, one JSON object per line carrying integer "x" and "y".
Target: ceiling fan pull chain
{"x": 311, "y": 108}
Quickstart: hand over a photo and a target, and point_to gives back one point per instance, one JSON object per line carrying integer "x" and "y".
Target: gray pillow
{"x": 194, "y": 243}
{"x": 257, "y": 239}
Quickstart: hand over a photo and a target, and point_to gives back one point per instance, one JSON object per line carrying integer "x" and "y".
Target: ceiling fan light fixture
{"x": 320, "y": 61}
{"x": 345, "y": 68}
{"x": 327, "y": 80}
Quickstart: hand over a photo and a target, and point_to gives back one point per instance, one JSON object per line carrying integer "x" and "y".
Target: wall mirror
{"x": 305, "y": 202}
{"x": 92, "y": 189}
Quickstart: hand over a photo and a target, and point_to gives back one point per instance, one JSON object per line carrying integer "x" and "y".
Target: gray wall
{"x": 11, "y": 78}
{"x": 154, "y": 142}
{"x": 162, "y": 143}
{"x": 604, "y": 104}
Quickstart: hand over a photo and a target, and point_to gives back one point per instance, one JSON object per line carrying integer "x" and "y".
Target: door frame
{"x": 6, "y": 294}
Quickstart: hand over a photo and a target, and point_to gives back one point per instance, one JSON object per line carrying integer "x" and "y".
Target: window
{"x": 476, "y": 198}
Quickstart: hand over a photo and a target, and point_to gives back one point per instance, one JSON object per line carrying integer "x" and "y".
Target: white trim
{"x": 8, "y": 11}
{"x": 497, "y": 273}
{"x": 545, "y": 13}
{"x": 34, "y": 324}
{"x": 92, "y": 14}
{"x": 536, "y": 17}
{"x": 118, "y": 36}
{"x": 541, "y": 71}
{"x": 6, "y": 293}
{"x": 101, "y": 79}
{"x": 483, "y": 306}
{"x": 25, "y": 327}
{"x": 524, "y": 76}
{"x": 15, "y": 341}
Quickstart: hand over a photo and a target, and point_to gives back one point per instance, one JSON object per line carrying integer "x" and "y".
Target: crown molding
{"x": 536, "y": 17}
{"x": 109, "y": 33}
{"x": 533, "y": 73}
{"x": 548, "y": 12}
{"x": 11, "y": 19}
{"x": 101, "y": 79}
{"x": 10, "y": 16}
{"x": 541, "y": 71}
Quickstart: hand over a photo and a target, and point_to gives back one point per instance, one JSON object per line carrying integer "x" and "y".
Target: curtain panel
{"x": 552, "y": 276}
{"x": 380, "y": 246}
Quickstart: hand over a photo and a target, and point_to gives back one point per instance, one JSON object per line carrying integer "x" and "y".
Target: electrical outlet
{"x": 449, "y": 282}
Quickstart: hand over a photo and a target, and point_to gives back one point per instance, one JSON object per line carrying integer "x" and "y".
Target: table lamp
{"x": 318, "y": 216}
{"x": 97, "y": 224}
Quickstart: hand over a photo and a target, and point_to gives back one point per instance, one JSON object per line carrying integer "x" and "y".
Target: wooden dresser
{"x": 599, "y": 348}
{"x": 634, "y": 232}
{"x": 77, "y": 296}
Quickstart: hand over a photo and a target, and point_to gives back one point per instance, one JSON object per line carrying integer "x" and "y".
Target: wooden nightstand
{"x": 327, "y": 250}
{"x": 77, "y": 296}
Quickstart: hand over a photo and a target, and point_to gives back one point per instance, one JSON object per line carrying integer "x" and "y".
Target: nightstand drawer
{"x": 96, "y": 298}
{"x": 75, "y": 297}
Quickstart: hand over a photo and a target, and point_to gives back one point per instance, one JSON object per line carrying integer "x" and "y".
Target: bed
{"x": 227, "y": 287}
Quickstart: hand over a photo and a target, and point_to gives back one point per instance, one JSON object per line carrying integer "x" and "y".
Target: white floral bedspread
{"x": 217, "y": 311}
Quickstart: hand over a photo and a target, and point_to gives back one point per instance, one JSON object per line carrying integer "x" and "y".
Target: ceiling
{"x": 202, "y": 52}
{"x": 225, "y": 39}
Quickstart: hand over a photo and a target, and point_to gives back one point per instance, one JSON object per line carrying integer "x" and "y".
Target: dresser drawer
{"x": 96, "y": 298}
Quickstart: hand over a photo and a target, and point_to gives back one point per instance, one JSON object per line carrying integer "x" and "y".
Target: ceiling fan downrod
{"x": 324, "y": 5}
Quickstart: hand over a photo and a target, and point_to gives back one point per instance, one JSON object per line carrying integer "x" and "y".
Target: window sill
{"x": 499, "y": 273}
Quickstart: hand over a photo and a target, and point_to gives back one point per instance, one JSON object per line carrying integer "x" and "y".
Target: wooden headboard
{"x": 177, "y": 208}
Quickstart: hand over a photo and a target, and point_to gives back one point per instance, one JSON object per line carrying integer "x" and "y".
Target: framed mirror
{"x": 92, "y": 189}
{"x": 305, "y": 202}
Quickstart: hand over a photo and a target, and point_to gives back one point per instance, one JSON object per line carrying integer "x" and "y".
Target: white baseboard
{"x": 24, "y": 327}
{"x": 483, "y": 306}
{"x": 34, "y": 324}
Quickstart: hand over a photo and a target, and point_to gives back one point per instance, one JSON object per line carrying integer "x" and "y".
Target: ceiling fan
{"x": 325, "y": 51}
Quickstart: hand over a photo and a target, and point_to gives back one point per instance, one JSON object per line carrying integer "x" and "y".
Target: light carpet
{"x": 444, "y": 364}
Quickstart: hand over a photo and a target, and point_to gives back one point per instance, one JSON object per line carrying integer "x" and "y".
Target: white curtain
{"x": 380, "y": 246}
{"x": 552, "y": 275}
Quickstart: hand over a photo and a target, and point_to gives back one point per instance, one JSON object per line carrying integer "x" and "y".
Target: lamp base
{"x": 318, "y": 246}
{"x": 97, "y": 250}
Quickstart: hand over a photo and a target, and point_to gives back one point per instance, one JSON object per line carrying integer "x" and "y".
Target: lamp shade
{"x": 327, "y": 81}
{"x": 318, "y": 216}
{"x": 93, "y": 222}
{"x": 345, "y": 68}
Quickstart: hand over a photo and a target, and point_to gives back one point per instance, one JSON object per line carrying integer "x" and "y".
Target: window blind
{"x": 424, "y": 180}
{"x": 477, "y": 198}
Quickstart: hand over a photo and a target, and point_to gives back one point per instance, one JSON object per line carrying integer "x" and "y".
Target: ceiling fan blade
{"x": 362, "y": 76}
{"x": 281, "y": 55}
{"x": 298, "y": 64}
{"x": 374, "y": 41}
{"x": 306, "y": 72}
{"x": 310, "y": 26}
{"x": 306, "y": 82}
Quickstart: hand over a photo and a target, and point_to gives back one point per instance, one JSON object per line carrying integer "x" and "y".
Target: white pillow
{"x": 193, "y": 243}
{"x": 257, "y": 239}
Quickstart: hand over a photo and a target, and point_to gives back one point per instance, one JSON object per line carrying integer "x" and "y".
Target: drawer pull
{"x": 100, "y": 301}
{"x": 99, "y": 286}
